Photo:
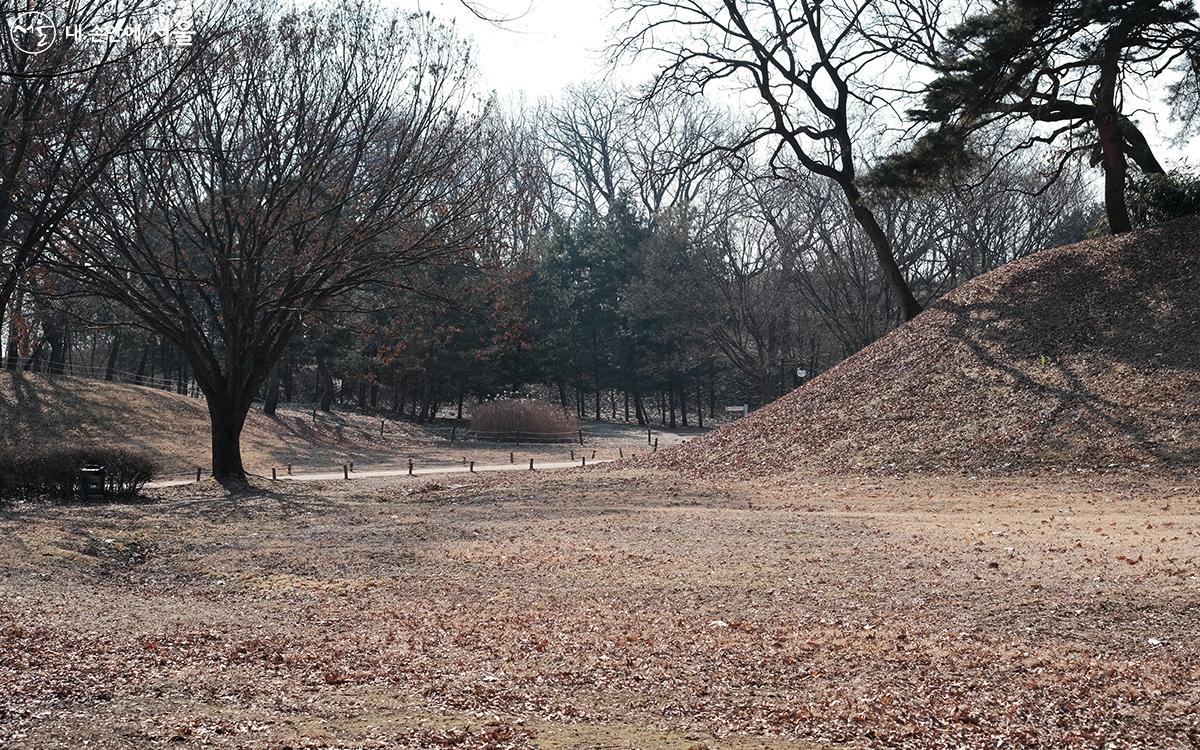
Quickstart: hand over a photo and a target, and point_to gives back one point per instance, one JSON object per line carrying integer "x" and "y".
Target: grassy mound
{"x": 173, "y": 430}
{"x": 1080, "y": 357}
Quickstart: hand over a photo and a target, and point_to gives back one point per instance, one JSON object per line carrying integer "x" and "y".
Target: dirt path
{"x": 416, "y": 472}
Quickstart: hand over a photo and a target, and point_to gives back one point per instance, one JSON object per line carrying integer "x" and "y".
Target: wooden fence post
{"x": 345, "y": 471}
{"x": 273, "y": 477}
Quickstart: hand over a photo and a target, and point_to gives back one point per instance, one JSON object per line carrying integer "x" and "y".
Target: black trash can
{"x": 91, "y": 481}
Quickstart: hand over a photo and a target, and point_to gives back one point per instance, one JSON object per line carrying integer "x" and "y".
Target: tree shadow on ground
{"x": 1109, "y": 339}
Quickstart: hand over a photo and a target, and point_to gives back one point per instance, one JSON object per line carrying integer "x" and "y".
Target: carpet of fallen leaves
{"x": 1085, "y": 356}
{"x": 608, "y": 610}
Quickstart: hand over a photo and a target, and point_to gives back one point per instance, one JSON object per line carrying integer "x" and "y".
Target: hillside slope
{"x": 174, "y": 429}
{"x": 1082, "y": 356}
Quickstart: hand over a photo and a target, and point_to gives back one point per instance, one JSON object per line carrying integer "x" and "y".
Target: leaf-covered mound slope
{"x": 1082, "y": 356}
{"x": 174, "y": 429}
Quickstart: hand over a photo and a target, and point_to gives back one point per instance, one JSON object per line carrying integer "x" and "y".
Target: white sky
{"x": 552, "y": 44}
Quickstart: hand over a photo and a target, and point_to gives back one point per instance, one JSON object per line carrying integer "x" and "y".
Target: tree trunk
{"x": 140, "y": 376}
{"x": 764, "y": 388}
{"x": 227, "y": 425}
{"x": 1112, "y": 156}
{"x": 114, "y": 351}
{"x": 272, "y": 399}
{"x": 288, "y": 380}
{"x": 426, "y": 404}
{"x": 909, "y": 307}
{"x": 12, "y": 308}
{"x": 1138, "y": 148}
{"x": 639, "y": 409}
{"x": 325, "y": 378}
{"x": 683, "y": 404}
{"x": 699, "y": 405}
{"x": 55, "y": 334}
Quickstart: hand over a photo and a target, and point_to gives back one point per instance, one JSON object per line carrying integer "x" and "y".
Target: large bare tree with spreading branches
{"x": 321, "y": 151}
{"x": 68, "y": 108}
{"x": 806, "y": 62}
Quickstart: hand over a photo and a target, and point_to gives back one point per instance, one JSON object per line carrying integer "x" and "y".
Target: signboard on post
{"x": 744, "y": 409}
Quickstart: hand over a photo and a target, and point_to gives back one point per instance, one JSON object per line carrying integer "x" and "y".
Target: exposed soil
{"x": 1084, "y": 356}
{"x": 608, "y": 610}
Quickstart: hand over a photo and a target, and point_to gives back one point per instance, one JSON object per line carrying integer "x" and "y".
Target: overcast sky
{"x": 551, "y": 44}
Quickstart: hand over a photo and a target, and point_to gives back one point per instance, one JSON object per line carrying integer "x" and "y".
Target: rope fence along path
{"x": 345, "y": 473}
{"x": 576, "y": 457}
{"x": 97, "y": 372}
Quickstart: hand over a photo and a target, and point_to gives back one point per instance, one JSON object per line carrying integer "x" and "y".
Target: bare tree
{"x": 606, "y": 144}
{"x": 585, "y": 136}
{"x": 802, "y": 60}
{"x": 68, "y": 109}
{"x": 321, "y": 150}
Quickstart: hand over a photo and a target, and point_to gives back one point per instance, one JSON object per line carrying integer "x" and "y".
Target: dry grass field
{"x": 608, "y": 609}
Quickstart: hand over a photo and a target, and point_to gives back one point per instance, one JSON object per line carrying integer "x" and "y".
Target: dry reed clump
{"x": 527, "y": 418}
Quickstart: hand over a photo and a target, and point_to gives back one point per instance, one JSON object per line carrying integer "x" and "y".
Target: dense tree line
{"x": 320, "y": 206}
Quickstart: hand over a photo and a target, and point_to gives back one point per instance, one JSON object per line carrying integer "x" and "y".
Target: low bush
{"x": 53, "y": 473}
{"x": 523, "y": 418}
{"x": 1155, "y": 198}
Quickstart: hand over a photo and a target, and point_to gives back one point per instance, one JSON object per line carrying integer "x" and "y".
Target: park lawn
{"x": 608, "y": 608}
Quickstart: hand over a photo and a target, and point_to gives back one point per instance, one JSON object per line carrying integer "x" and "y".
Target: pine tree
{"x": 1064, "y": 64}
